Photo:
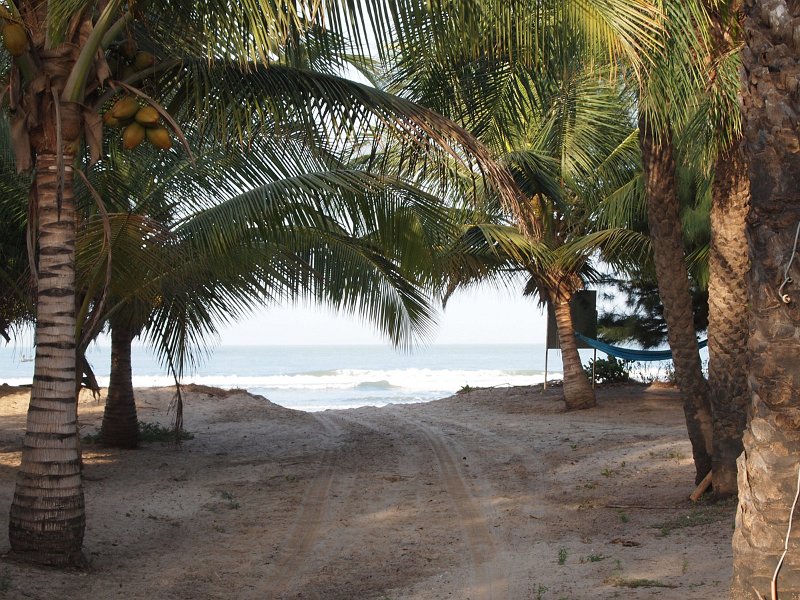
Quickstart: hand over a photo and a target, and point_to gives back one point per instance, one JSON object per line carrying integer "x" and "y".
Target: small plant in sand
{"x": 640, "y": 583}
{"x": 596, "y": 557}
{"x": 230, "y": 499}
{"x": 562, "y": 556}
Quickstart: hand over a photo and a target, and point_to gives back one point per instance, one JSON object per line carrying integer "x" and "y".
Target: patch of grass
{"x": 596, "y": 557}
{"x": 541, "y": 590}
{"x": 562, "y": 555}
{"x": 608, "y": 472}
{"x": 640, "y": 583}
{"x": 148, "y": 432}
{"x": 702, "y": 515}
{"x": 623, "y": 517}
{"x": 153, "y": 432}
{"x": 232, "y": 503}
{"x": 465, "y": 389}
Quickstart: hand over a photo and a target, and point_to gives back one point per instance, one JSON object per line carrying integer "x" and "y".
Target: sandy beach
{"x": 492, "y": 494}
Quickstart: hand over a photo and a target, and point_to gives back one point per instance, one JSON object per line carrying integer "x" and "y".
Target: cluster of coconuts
{"x": 15, "y": 39}
{"x": 138, "y": 122}
{"x": 130, "y": 60}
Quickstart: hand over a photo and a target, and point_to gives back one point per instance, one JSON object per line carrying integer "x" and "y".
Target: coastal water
{"x": 320, "y": 377}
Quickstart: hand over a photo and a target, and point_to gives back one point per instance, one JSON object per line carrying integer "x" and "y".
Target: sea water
{"x": 321, "y": 377}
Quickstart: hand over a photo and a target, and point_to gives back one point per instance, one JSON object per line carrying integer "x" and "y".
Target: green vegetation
{"x": 609, "y": 370}
{"x": 699, "y": 515}
{"x": 148, "y": 432}
{"x": 562, "y": 556}
{"x": 640, "y": 583}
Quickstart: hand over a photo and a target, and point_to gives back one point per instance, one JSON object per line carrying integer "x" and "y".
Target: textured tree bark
{"x": 768, "y": 468}
{"x": 120, "y": 427}
{"x": 728, "y": 317}
{"x": 47, "y": 513}
{"x": 663, "y": 216}
{"x": 578, "y": 391}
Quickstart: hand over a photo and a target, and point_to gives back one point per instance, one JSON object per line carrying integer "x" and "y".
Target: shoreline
{"x": 495, "y": 493}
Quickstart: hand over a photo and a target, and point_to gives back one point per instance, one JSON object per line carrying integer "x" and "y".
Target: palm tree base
{"x": 77, "y": 560}
{"x": 581, "y": 404}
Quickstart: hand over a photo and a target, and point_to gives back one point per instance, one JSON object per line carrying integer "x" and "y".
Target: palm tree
{"x": 768, "y": 470}
{"x": 68, "y": 46}
{"x": 306, "y": 227}
{"x": 713, "y": 136}
{"x": 573, "y": 147}
{"x": 562, "y": 129}
{"x": 674, "y": 75}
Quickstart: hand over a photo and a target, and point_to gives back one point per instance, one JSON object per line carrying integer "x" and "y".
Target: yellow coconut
{"x": 147, "y": 116}
{"x": 15, "y": 39}
{"x": 132, "y": 136}
{"x": 125, "y": 108}
{"x": 143, "y": 60}
{"x": 110, "y": 120}
{"x": 159, "y": 137}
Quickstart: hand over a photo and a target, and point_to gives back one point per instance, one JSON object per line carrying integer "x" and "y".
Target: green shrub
{"x": 148, "y": 432}
{"x": 609, "y": 370}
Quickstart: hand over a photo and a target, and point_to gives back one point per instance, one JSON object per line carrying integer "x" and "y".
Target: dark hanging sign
{"x": 584, "y": 317}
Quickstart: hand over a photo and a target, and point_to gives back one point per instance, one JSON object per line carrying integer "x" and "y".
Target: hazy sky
{"x": 484, "y": 315}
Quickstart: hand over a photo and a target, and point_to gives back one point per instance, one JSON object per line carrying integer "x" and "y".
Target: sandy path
{"x": 497, "y": 494}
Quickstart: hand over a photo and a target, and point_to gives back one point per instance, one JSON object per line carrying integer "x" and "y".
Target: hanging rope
{"x": 786, "y": 298}
{"x": 774, "y": 584}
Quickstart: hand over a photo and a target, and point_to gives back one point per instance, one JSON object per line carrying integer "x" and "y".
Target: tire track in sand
{"x": 487, "y": 584}
{"x": 309, "y": 517}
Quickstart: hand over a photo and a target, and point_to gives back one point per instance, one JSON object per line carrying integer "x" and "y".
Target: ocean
{"x": 316, "y": 378}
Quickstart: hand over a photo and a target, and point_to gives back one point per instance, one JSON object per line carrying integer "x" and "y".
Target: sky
{"x": 481, "y": 316}
{"x": 484, "y": 315}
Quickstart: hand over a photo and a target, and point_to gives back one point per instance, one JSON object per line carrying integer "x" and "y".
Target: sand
{"x": 492, "y": 494}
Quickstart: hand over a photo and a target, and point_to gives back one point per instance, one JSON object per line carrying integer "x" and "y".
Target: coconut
{"x": 147, "y": 116}
{"x": 132, "y": 136}
{"x": 15, "y": 39}
{"x": 159, "y": 137}
{"x": 125, "y": 108}
{"x": 143, "y": 60}
{"x": 110, "y": 120}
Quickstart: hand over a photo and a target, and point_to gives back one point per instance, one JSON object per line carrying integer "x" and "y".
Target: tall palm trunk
{"x": 578, "y": 392}
{"x": 728, "y": 317}
{"x": 664, "y": 222}
{"x": 768, "y": 468}
{"x": 120, "y": 424}
{"x": 47, "y": 513}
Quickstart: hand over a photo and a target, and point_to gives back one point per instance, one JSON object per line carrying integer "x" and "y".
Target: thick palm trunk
{"x": 578, "y": 392}
{"x": 768, "y": 468}
{"x": 728, "y": 317}
{"x": 664, "y": 222}
{"x": 120, "y": 424}
{"x": 47, "y": 514}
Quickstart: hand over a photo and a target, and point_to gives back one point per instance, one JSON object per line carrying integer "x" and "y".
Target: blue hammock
{"x": 627, "y": 353}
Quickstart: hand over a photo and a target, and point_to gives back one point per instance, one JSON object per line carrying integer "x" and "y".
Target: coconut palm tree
{"x": 713, "y": 139}
{"x": 61, "y": 53}
{"x": 768, "y": 468}
{"x": 675, "y": 75}
{"x": 571, "y": 143}
{"x": 302, "y": 227}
